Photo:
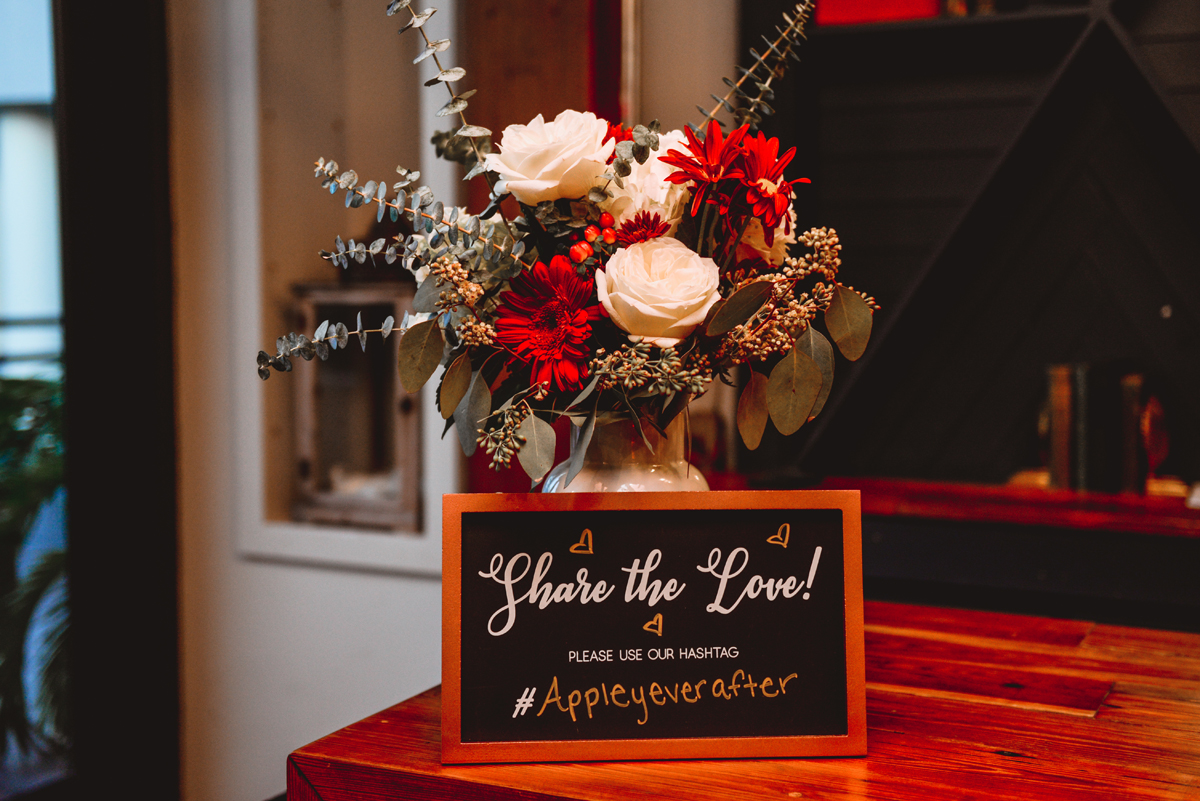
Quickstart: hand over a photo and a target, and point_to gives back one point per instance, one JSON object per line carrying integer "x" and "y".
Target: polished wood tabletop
{"x": 960, "y": 705}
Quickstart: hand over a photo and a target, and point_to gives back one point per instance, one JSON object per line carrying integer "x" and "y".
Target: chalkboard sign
{"x": 652, "y": 625}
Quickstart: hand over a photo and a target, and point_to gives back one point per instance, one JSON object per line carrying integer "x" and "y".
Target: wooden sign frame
{"x": 851, "y": 742}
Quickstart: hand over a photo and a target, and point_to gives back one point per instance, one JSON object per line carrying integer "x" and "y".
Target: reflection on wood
{"x": 1138, "y": 514}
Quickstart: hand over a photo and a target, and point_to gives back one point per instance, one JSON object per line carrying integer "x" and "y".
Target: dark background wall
{"x": 1017, "y": 191}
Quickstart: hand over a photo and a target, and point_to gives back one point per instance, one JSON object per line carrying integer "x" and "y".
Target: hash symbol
{"x": 525, "y": 702}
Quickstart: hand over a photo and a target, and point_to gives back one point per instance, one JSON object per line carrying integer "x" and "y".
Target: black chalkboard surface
{"x": 636, "y": 626}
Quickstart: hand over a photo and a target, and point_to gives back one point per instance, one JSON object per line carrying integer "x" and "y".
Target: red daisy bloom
{"x": 620, "y": 133}
{"x": 644, "y": 226}
{"x": 768, "y": 194}
{"x": 544, "y": 319}
{"x": 712, "y": 160}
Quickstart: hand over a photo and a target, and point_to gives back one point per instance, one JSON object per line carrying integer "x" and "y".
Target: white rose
{"x": 658, "y": 291}
{"x": 754, "y": 241}
{"x": 549, "y": 160}
{"x": 647, "y": 189}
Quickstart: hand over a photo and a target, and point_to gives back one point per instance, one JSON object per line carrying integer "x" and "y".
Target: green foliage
{"x": 752, "y": 410}
{"x": 739, "y": 307}
{"x": 813, "y": 344}
{"x": 31, "y": 471}
{"x": 537, "y": 449}
{"x": 792, "y": 391}
{"x": 471, "y": 411}
{"x": 849, "y": 320}
{"x": 420, "y": 353}
{"x": 31, "y": 453}
{"x": 455, "y": 382}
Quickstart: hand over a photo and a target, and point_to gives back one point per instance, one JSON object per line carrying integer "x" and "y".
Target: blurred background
{"x": 254, "y": 565}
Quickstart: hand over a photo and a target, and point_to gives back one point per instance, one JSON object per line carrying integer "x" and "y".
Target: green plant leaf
{"x": 454, "y": 106}
{"x": 848, "y": 319}
{"x": 739, "y": 308}
{"x": 537, "y": 454}
{"x": 473, "y": 131}
{"x": 475, "y": 406}
{"x": 813, "y": 344}
{"x": 420, "y": 352}
{"x": 428, "y": 293}
{"x": 591, "y": 386}
{"x": 454, "y": 385}
{"x": 712, "y": 312}
{"x": 579, "y": 449}
{"x": 752, "y": 410}
{"x": 792, "y": 390}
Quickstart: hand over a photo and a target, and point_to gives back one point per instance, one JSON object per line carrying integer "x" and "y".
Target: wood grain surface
{"x": 960, "y": 704}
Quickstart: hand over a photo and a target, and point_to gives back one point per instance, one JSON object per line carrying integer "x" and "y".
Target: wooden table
{"x": 959, "y": 705}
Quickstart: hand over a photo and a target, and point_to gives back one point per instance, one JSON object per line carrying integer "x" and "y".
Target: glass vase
{"x": 618, "y": 460}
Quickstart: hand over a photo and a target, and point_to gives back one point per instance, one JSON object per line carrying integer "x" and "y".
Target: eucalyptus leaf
{"x": 388, "y": 324}
{"x": 752, "y": 410}
{"x": 475, "y": 406}
{"x": 455, "y": 105}
{"x": 436, "y": 46}
{"x": 451, "y": 75}
{"x": 343, "y": 335}
{"x": 537, "y": 453}
{"x": 478, "y": 168}
{"x": 428, "y": 293}
{"x": 419, "y": 20}
{"x": 454, "y": 386}
{"x": 579, "y": 449}
{"x": 739, "y": 307}
{"x": 849, "y": 319}
{"x": 792, "y": 390}
{"x": 591, "y": 386}
{"x": 419, "y": 354}
{"x": 321, "y": 329}
{"x": 473, "y": 131}
{"x": 813, "y": 344}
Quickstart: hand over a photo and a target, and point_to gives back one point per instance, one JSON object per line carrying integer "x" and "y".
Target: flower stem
{"x": 732, "y": 252}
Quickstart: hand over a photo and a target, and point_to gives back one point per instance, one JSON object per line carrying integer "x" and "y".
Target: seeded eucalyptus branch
{"x": 765, "y": 69}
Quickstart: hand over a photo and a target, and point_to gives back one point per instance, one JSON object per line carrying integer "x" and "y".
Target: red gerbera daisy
{"x": 711, "y": 161}
{"x": 768, "y": 194}
{"x": 644, "y": 226}
{"x": 544, "y": 319}
{"x": 619, "y": 133}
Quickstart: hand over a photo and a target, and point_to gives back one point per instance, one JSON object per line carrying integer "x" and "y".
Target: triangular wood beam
{"x": 1069, "y": 80}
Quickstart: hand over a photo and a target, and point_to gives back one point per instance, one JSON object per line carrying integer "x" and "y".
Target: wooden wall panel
{"x": 526, "y": 57}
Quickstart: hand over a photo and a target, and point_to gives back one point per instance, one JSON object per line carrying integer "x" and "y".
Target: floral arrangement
{"x": 643, "y": 265}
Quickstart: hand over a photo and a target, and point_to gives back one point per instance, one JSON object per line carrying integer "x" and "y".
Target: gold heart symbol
{"x": 585, "y": 543}
{"x": 785, "y": 531}
{"x": 655, "y": 625}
